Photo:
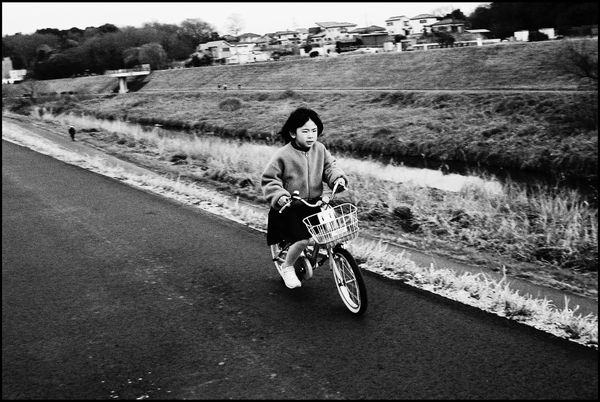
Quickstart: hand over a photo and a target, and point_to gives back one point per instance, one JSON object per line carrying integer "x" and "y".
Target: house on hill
{"x": 449, "y": 25}
{"x": 249, "y": 37}
{"x": 421, "y": 23}
{"x": 367, "y": 30}
{"x": 285, "y": 38}
{"x": 334, "y": 31}
{"x": 10, "y": 76}
{"x": 218, "y": 49}
{"x": 399, "y": 25}
{"x": 232, "y": 53}
{"x": 371, "y": 36}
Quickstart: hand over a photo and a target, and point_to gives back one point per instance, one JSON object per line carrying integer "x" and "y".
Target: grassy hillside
{"x": 80, "y": 85}
{"x": 536, "y": 65}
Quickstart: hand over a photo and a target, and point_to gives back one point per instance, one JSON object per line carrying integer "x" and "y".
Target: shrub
{"x": 288, "y": 93}
{"x": 230, "y": 104}
{"x": 262, "y": 97}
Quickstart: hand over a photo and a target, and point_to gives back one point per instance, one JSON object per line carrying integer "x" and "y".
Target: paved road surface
{"x": 109, "y": 291}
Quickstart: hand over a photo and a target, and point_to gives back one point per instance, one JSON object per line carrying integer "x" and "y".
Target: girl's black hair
{"x": 298, "y": 118}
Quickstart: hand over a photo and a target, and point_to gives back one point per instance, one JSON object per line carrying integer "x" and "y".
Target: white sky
{"x": 256, "y": 17}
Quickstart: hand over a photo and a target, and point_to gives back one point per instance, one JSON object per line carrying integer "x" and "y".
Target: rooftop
{"x": 448, "y": 21}
{"x": 331, "y": 24}
{"x": 396, "y": 18}
{"x": 421, "y": 16}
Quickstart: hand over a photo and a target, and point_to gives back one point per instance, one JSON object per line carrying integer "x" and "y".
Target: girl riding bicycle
{"x": 302, "y": 165}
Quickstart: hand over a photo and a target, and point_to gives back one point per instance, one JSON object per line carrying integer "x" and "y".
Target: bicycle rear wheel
{"x": 303, "y": 267}
{"x": 349, "y": 281}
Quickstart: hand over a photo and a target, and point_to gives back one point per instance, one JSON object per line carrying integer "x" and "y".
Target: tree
{"x": 398, "y": 38}
{"x": 481, "y": 18}
{"x": 504, "y": 18}
{"x": 196, "y": 31}
{"x": 131, "y": 57}
{"x": 199, "y": 60}
{"x": 440, "y": 11}
{"x": 22, "y": 49}
{"x": 457, "y": 15}
{"x": 235, "y": 24}
{"x": 153, "y": 54}
{"x": 107, "y": 28}
{"x": 444, "y": 39}
{"x": 43, "y": 52}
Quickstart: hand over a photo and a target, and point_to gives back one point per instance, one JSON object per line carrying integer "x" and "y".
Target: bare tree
{"x": 441, "y": 11}
{"x": 235, "y": 24}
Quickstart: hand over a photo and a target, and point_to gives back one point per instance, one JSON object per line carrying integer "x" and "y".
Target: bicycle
{"x": 330, "y": 229}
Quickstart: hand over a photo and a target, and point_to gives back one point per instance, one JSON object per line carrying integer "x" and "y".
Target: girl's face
{"x": 306, "y": 135}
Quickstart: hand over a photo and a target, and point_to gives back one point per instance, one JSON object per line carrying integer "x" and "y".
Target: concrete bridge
{"x": 123, "y": 73}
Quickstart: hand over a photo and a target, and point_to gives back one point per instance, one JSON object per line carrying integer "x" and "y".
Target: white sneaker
{"x": 289, "y": 277}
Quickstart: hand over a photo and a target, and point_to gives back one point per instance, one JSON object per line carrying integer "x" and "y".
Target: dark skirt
{"x": 288, "y": 225}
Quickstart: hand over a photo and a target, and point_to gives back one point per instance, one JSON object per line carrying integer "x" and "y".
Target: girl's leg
{"x": 294, "y": 252}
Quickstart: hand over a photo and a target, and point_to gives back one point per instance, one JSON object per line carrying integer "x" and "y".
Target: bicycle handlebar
{"x": 321, "y": 201}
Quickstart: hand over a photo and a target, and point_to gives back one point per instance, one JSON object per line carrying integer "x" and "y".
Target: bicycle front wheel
{"x": 349, "y": 281}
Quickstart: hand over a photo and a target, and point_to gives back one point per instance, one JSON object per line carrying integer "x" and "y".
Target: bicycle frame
{"x": 346, "y": 273}
{"x": 324, "y": 203}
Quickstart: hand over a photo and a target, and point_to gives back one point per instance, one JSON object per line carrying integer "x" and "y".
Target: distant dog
{"x": 72, "y": 133}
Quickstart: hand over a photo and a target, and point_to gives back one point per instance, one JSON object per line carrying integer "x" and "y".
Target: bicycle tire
{"x": 349, "y": 281}
{"x": 302, "y": 266}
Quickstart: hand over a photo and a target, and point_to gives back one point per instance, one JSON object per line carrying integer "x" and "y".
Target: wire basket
{"x": 334, "y": 225}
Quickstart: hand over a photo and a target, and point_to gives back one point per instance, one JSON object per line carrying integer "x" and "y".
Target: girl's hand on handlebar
{"x": 284, "y": 199}
{"x": 340, "y": 182}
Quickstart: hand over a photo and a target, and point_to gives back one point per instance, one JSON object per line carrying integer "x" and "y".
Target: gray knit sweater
{"x": 292, "y": 169}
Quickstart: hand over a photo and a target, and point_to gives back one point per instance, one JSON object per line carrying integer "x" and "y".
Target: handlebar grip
{"x": 287, "y": 204}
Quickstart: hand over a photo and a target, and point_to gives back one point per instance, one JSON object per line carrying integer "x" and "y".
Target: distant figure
{"x": 239, "y": 86}
{"x": 219, "y": 86}
{"x": 225, "y": 87}
{"x": 72, "y": 133}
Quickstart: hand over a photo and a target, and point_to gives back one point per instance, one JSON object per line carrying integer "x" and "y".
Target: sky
{"x": 255, "y": 17}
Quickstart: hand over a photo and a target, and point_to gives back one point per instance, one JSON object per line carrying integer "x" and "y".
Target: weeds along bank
{"x": 550, "y": 133}
{"x": 553, "y": 233}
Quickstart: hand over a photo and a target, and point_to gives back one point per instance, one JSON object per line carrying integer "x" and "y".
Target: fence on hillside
{"x": 463, "y": 43}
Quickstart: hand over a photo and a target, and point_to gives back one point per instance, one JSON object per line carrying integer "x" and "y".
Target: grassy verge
{"x": 477, "y": 290}
{"x": 551, "y": 134}
{"x": 549, "y": 237}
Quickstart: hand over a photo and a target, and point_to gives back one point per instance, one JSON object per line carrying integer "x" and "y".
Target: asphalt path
{"x": 113, "y": 292}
